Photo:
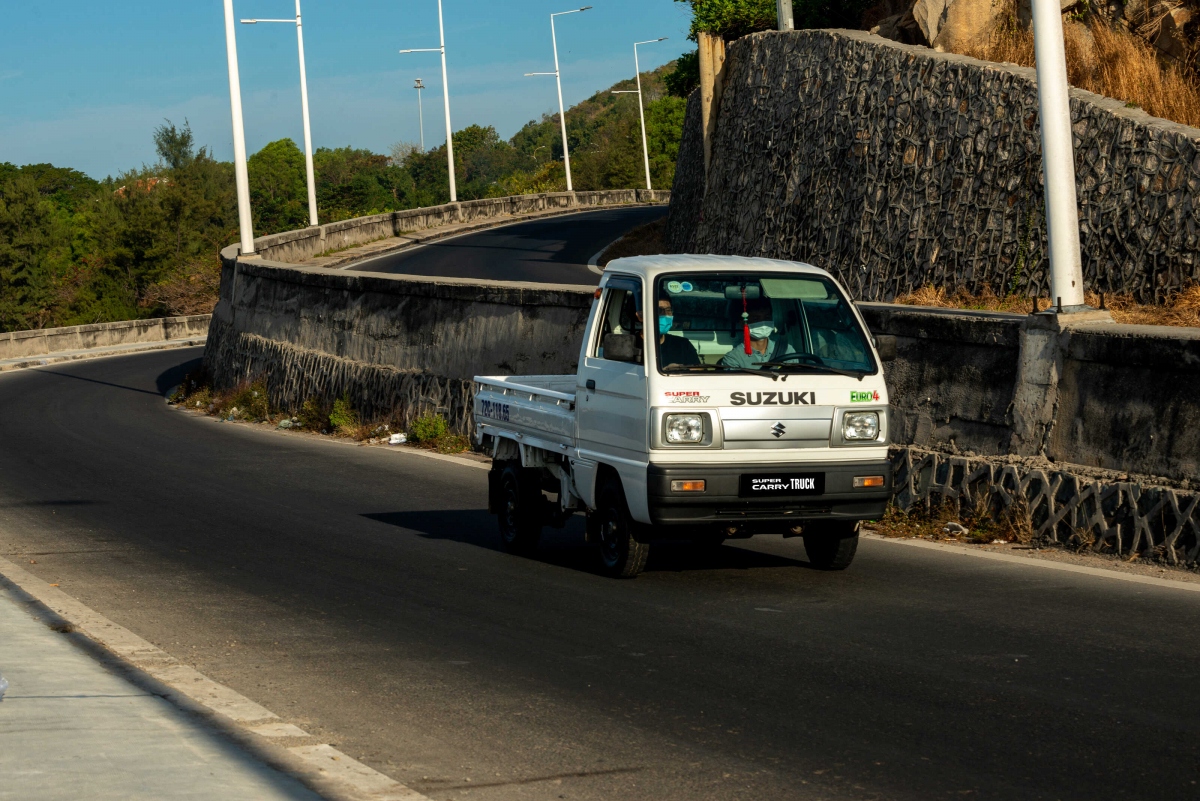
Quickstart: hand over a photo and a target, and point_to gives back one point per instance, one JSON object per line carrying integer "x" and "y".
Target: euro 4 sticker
{"x": 864, "y": 397}
{"x": 685, "y": 397}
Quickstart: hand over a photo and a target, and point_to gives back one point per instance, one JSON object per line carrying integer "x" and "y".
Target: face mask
{"x": 664, "y": 323}
{"x": 761, "y": 330}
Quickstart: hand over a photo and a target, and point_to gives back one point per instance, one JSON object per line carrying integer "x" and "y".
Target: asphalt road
{"x": 359, "y": 592}
{"x": 554, "y": 250}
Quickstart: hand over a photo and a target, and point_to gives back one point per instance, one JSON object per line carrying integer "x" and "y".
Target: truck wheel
{"x": 831, "y": 545}
{"x": 520, "y": 510}
{"x": 622, "y": 555}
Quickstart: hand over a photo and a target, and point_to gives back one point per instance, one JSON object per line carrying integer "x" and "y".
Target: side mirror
{"x": 886, "y": 345}
{"x": 621, "y": 347}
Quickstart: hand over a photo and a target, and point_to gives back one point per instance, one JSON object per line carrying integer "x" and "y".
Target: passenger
{"x": 765, "y": 343}
{"x": 672, "y": 350}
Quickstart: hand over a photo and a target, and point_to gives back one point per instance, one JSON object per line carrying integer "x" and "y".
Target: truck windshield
{"x": 794, "y": 322}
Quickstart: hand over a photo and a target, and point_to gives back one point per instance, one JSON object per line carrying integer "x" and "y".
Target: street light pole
{"x": 1058, "y": 155}
{"x": 562, "y": 116}
{"x": 242, "y": 177}
{"x": 637, "y": 71}
{"x": 419, "y": 85}
{"x": 308, "y": 151}
{"x": 446, "y": 96}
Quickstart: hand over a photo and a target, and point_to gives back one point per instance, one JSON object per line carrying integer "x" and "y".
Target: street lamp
{"x": 242, "y": 178}
{"x": 637, "y": 71}
{"x": 308, "y": 154}
{"x": 1058, "y": 156}
{"x": 446, "y": 96}
{"x": 420, "y": 85}
{"x": 562, "y": 116}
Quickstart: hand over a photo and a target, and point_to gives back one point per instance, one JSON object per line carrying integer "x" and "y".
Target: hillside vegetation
{"x": 76, "y": 250}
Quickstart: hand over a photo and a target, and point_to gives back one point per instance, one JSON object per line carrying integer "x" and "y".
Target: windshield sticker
{"x": 686, "y": 286}
{"x": 772, "y": 398}
{"x": 674, "y": 287}
{"x": 685, "y": 397}
{"x": 864, "y": 397}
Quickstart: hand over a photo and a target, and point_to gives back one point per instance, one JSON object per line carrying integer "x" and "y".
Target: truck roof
{"x": 649, "y": 266}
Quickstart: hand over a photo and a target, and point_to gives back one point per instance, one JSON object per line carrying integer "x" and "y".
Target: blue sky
{"x": 83, "y": 84}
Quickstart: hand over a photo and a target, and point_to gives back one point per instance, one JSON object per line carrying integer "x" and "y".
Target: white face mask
{"x": 761, "y": 330}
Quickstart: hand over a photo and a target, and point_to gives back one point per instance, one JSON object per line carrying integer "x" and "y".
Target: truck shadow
{"x": 565, "y": 547}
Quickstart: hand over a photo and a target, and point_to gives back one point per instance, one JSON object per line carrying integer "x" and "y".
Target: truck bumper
{"x": 720, "y": 502}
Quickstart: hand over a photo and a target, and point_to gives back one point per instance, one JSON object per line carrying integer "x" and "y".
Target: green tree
{"x": 664, "y": 125}
{"x": 34, "y": 248}
{"x": 685, "y": 77}
{"x": 278, "y": 187}
{"x": 731, "y": 19}
{"x": 176, "y": 147}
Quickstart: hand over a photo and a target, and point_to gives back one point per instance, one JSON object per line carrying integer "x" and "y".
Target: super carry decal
{"x": 772, "y": 398}
{"x": 685, "y": 397}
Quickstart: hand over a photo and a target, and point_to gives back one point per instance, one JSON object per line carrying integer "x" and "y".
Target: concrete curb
{"x": 97, "y": 353}
{"x": 320, "y": 766}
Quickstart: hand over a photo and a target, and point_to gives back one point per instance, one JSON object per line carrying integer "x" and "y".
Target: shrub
{"x": 428, "y": 428}
{"x": 343, "y": 417}
{"x": 314, "y": 415}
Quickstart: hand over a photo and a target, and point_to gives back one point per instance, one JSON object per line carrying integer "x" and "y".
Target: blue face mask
{"x": 664, "y": 323}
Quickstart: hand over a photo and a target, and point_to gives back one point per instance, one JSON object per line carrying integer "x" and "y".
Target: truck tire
{"x": 519, "y": 509}
{"x": 622, "y": 554}
{"x": 831, "y": 545}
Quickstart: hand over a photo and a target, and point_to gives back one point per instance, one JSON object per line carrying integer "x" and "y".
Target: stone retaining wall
{"x": 896, "y": 166}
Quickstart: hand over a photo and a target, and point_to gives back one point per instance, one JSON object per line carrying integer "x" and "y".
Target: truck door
{"x": 610, "y": 401}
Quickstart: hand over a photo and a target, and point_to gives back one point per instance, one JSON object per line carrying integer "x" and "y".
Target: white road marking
{"x": 1046, "y": 564}
{"x": 364, "y": 782}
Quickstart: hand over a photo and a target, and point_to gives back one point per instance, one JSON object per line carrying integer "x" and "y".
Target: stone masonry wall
{"x": 895, "y": 166}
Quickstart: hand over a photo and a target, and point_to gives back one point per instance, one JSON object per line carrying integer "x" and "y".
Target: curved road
{"x": 554, "y": 250}
{"x": 360, "y": 593}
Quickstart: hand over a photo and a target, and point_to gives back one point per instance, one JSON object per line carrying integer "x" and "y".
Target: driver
{"x": 766, "y": 344}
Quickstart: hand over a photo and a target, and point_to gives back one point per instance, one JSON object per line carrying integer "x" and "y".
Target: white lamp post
{"x": 1058, "y": 155}
{"x": 420, "y": 85}
{"x": 446, "y": 96}
{"x": 245, "y": 223}
{"x": 562, "y": 116}
{"x": 637, "y": 71}
{"x": 308, "y": 153}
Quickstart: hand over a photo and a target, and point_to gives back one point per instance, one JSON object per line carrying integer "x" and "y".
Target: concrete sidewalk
{"x": 72, "y": 727}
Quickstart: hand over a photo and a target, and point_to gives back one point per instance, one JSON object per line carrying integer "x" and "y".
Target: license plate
{"x": 773, "y": 484}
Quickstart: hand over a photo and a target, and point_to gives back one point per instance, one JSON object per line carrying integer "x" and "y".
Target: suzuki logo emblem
{"x": 779, "y": 429}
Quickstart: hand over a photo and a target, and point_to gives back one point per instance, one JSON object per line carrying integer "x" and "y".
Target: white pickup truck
{"x": 715, "y": 397}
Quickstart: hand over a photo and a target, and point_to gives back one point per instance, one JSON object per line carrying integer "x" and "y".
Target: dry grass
{"x": 1180, "y": 309}
{"x": 645, "y": 240}
{"x": 1106, "y": 60}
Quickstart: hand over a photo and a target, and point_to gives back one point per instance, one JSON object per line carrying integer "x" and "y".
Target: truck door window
{"x": 620, "y": 316}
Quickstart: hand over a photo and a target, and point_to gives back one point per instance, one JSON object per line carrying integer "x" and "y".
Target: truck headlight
{"x": 685, "y": 429}
{"x": 860, "y": 426}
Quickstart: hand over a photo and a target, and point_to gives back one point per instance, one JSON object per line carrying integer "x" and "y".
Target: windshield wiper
{"x": 723, "y": 367}
{"x": 815, "y": 362}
